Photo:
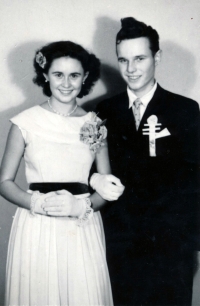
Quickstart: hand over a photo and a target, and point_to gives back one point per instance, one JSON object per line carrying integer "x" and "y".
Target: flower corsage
{"x": 41, "y": 59}
{"x": 93, "y": 133}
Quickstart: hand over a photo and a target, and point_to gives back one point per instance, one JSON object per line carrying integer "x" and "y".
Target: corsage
{"x": 93, "y": 133}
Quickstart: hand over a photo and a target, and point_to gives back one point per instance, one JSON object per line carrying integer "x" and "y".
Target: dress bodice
{"x": 53, "y": 150}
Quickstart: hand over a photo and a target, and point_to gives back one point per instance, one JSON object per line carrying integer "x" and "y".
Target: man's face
{"x": 137, "y": 64}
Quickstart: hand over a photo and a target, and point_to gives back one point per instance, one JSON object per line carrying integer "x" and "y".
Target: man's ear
{"x": 157, "y": 57}
{"x": 46, "y": 77}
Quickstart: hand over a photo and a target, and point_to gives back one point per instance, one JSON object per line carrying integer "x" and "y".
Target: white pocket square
{"x": 162, "y": 133}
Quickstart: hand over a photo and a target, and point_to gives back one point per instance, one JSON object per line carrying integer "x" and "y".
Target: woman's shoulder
{"x": 27, "y": 113}
{"x": 30, "y": 119}
{"x": 86, "y": 115}
{"x": 90, "y": 116}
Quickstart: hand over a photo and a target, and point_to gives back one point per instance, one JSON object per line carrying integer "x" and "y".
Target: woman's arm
{"x": 108, "y": 186}
{"x": 10, "y": 163}
{"x": 103, "y": 167}
{"x": 109, "y": 183}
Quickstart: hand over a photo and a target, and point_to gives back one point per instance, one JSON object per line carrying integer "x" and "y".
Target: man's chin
{"x": 133, "y": 88}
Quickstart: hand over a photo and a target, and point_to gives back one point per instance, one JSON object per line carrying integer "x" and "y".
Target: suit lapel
{"x": 125, "y": 116}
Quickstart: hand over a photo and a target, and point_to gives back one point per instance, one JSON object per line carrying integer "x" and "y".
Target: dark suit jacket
{"x": 159, "y": 202}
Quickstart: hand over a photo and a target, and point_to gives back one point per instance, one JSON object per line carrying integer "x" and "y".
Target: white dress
{"x": 52, "y": 261}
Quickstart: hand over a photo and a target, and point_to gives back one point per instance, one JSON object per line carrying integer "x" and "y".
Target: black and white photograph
{"x": 100, "y": 153}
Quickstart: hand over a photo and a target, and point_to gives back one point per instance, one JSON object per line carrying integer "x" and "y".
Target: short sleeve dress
{"x": 52, "y": 260}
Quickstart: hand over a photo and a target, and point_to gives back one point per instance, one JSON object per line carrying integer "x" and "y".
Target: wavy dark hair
{"x": 132, "y": 28}
{"x": 52, "y": 51}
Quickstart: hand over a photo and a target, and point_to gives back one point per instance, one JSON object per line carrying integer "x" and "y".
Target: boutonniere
{"x": 93, "y": 133}
{"x": 152, "y": 127}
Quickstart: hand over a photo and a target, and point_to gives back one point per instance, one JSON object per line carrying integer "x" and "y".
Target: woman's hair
{"x": 132, "y": 28}
{"x": 47, "y": 54}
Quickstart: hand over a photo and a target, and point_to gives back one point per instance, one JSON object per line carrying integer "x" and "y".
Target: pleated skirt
{"x": 52, "y": 262}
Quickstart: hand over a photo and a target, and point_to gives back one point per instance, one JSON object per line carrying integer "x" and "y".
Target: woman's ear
{"x": 85, "y": 76}
{"x": 46, "y": 77}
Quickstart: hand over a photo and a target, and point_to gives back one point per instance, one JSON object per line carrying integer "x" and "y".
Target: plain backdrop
{"x": 26, "y": 25}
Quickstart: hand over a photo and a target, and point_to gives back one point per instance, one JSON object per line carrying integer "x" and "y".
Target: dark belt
{"x": 74, "y": 188}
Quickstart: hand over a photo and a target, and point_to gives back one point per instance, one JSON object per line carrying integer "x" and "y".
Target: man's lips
{"x": 133, "y": 78}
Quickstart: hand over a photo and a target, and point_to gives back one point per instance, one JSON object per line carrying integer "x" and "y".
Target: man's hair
{"x": 132, "y": 28}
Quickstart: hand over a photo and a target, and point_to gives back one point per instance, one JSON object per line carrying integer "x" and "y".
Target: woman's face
{"x": 65, "y": 77}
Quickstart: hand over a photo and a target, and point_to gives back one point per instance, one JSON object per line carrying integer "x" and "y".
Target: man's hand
{"x": 108, "y": 186}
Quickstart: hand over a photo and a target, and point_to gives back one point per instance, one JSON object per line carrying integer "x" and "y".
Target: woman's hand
{"x": 63, "y": 204}
{"x": 108, "y": 186}
{"x": 40, "y": 201}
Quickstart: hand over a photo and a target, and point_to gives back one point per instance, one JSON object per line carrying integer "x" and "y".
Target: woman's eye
{"x": 58, "y": 75}
{"x": 74, "y": 76}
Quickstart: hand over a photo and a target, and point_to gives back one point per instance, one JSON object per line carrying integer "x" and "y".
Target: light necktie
{"x": 136, "y": 111}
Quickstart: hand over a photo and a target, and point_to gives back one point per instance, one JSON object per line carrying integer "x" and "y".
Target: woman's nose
{"x": 66, "y": 82}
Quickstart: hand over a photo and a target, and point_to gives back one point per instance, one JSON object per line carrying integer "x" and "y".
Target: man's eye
{"x": 139, "y": 59}
{"x": 122, "y": 60}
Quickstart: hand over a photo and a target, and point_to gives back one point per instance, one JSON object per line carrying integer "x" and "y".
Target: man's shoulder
{"x": 114, "y": 101}
{"x": 178, "y": 100}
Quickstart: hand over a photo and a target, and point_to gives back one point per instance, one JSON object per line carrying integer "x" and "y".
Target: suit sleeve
{"x": 192, "y": 135}
{"x": 191, "y": 153}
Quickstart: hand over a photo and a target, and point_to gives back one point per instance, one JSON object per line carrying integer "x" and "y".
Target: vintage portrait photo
{"x": 100, "y": 159}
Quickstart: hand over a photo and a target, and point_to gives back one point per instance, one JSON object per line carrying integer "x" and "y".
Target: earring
{"x": 46, "y": 80}
{"x": 83, "y": 82}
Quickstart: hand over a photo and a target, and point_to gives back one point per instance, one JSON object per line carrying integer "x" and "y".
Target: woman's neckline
{"x": 54, "y": 114}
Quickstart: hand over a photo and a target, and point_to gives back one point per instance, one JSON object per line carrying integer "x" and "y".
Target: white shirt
{"x": 145, "y": 99}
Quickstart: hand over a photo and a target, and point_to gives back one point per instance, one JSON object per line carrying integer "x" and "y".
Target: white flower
{"x": 41, "y": 59}
{"x": 93, "y": 133}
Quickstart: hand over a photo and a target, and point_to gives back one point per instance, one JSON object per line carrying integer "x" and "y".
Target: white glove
{"x": 108, "y": 186}
{"x": 37, "y": 201}
{"x": 64, "y": 204}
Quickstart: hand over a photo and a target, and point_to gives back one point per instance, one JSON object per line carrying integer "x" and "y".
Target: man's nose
{"x": 131, "y": 67}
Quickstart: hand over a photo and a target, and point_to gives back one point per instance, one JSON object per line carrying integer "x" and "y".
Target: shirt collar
{"x": 145, "y": 99}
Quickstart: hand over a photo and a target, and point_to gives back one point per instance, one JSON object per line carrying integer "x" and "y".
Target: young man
{"x": 153, "y": 147}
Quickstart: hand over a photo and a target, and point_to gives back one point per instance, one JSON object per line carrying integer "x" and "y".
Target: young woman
{"x": 56, "y": 252}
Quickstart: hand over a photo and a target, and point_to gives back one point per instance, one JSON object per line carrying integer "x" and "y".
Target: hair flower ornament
{"x": 93, "y": 133}
{"x": 40, "y": 59}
